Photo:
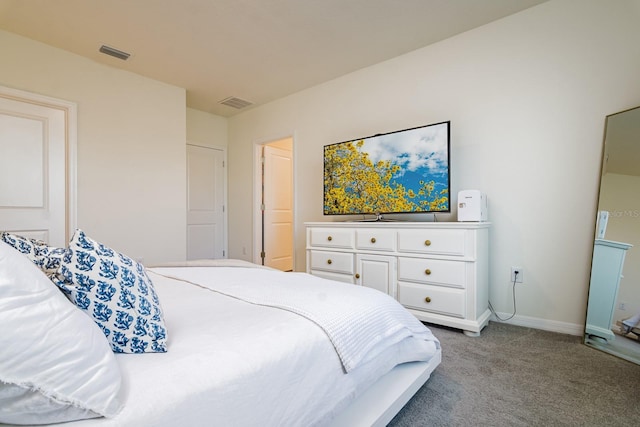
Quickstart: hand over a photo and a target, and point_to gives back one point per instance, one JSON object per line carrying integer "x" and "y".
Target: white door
{"x": 33, "y": 166}
{"x": 278, "y": 208}
{"x": 205, "y": 202}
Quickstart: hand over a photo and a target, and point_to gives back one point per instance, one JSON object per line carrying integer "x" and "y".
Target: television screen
{"x": 397, "y": 172}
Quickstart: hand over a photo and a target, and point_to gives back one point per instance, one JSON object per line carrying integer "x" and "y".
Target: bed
{"x": 249, "y": 346}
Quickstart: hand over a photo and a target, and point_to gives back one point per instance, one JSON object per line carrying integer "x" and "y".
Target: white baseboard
{"x": 544, "y": 324}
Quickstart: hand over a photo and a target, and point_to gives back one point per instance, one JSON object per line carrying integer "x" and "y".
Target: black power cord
{"x": 515, "y": 277}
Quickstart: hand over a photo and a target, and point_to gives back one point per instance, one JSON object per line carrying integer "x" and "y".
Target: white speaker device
{"x": 472, "y": 206}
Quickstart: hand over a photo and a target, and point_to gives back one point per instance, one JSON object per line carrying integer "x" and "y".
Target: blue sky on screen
{"x": 422, "y": 150}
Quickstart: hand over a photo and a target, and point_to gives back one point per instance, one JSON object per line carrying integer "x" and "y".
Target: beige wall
{"x": 131, "y": 146}
{"x": 206, "y": 129}
{"x": 527, "y": 98}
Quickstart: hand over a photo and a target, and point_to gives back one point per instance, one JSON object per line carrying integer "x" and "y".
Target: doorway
{"x": 274, "y": 207}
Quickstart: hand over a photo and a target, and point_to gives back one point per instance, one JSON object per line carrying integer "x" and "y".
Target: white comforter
{"x": 232, "y": 363}
{"x": 360, "y": 322}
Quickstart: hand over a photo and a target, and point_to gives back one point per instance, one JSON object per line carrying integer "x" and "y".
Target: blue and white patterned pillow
{"x": 46, "y": 257}
{"x": 116, "y": 292}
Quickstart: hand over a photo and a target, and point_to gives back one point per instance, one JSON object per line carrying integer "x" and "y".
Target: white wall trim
{"x": 257, "y": 201}
{"x": 543, "y": 324}
{"x": 213, "y": 147}
{"x": 71, "y": 115}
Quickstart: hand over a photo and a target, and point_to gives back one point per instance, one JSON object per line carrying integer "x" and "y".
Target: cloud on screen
{"x": 418, "y": 149}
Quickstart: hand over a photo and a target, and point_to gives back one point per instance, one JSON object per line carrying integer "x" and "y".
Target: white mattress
{"x": 234, "y": 363}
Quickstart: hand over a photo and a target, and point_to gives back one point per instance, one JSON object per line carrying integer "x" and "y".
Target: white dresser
{"x": 438, "y": 271}
{"x": 606, "y": 272}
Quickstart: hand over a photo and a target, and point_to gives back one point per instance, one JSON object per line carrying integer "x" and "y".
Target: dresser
{"x": 438, "y": 271}
{"x": 606, "y": 272}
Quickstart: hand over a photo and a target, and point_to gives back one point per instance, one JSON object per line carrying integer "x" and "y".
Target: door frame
{"x": 257, "y": 196}
{"x": 70, "y": 110}
{"x": 225, "y": 202}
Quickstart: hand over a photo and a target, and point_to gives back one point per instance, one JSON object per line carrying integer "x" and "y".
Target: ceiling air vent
{"x": 234, "y": 102}
{"x": 114, "y": 52}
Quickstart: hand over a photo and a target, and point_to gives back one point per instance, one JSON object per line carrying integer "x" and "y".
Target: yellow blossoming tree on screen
{"x": 354, "y": 184}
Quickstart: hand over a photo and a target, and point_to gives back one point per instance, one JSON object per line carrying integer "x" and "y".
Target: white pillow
{"x": 115, "y": 291}
{"x": 55, "y": 364}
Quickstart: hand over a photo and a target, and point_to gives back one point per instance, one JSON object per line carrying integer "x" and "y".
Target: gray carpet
{"x": 515, "y": 376}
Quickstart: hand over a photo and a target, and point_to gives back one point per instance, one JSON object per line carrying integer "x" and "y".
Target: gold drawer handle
{"x": 329, "y": 238}
{"x": 427, "y": 242}
{"x": 373, "y": 240}
{"x": 427, "y": 272}
{"x": 427, "y": 299}
{"x": 329, "y": 261}
{"x": 357, "y": 276}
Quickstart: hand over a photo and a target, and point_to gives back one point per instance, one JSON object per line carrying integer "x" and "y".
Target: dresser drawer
{"x": 429, "y": 241}
{"x": 336, "y": 277}
{"x": 331, "y": 238}
{"x": 376, "y": 240}
{"x": 432, "y": 271}
{"x": 447, "y": 301}
{"x": 337, "y": 262}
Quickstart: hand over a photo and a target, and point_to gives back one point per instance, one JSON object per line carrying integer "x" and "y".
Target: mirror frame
{"x": 606, "y": 266}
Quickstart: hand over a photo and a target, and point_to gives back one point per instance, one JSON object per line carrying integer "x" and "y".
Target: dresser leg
{"x": 471, "y": 334}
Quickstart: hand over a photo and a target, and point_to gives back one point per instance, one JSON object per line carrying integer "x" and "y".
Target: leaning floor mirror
{"x": 613, "y": 311}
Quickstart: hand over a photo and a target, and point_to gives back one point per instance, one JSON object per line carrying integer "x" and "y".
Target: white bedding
{"x": 232, "y": 363}
{"x": 360, "y": 322}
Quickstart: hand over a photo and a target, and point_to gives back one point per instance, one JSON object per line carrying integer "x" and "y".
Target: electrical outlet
{"x": 516, "y": 274}
{"x": 622, "y": 306}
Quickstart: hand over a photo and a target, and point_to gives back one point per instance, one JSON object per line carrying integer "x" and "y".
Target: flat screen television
{"x": 406, "y": 171}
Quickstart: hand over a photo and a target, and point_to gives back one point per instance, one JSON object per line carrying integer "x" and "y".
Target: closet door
{"x": 205, "y": 202}
{"x": 33, "y": 166}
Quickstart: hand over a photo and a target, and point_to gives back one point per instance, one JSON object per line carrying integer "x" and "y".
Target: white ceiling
{"x": 256, "y": 50}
